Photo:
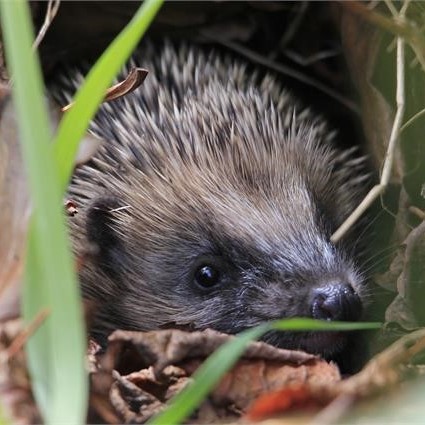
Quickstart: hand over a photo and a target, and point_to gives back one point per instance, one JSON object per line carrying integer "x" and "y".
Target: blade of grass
{"x": 56, "y": 352}
{"x": 76, "y": 120}
{"x": 306, "y": 324}
{"x": 210, "y": 373}
{"x": 35, "y": 296}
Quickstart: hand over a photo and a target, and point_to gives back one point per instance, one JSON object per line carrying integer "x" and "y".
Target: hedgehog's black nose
{"x": 336, "y": 301}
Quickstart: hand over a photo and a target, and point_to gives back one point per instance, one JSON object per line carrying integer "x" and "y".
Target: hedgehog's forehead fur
{"x": 233, "y": 192}
{"x": 208, "y": 158}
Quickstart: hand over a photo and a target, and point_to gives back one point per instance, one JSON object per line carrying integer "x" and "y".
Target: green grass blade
{"x": 210, "y": 373}
{"x": 306, "y": 324}
{"x": 35, "y": 297}
{"x": 56, "y": 352}
{"x": 75, "y": 122}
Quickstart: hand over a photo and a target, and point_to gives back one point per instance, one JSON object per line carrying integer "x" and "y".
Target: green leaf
{"x": 56, "y": 352}
{"x": 306, "y": 324}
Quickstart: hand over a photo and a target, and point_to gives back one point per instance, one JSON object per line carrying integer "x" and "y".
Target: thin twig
{"x": 391, "y": 7}
{"x": 404, "y": 7}
{"x": 293, "y": 26}
{"x": 395, "y": 131}
{"x": 23, "y": 336}
{"x": 52, "y": 10}
{"x": 412, "y": 119}
{"x": 379, "y": 189}
{"x": 282, "y": 69}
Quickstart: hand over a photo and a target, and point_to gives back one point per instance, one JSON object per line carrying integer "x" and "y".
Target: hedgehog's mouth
{"x": 327, "y": 344}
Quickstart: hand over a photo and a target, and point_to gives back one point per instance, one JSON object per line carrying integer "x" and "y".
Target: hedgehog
{"x": 212, "y": 203}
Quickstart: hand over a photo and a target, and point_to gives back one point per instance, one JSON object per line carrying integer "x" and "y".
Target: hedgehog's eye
{"x": 207, "y": 276}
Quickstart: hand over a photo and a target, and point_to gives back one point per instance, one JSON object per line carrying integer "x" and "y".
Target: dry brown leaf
{"x": 411, "y": 282}
{"x": 171, "y": 346}
{"x": 151, "y": 367}
{"x": 407, "y": 269}
{"x": 133, "y": 80}
{"x": 131, "y": 402}
{"x": 249, "y": 379}
{"x": 140, "y": 395}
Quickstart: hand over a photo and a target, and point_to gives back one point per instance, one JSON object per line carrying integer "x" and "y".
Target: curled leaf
{"x": 134, "y": 79}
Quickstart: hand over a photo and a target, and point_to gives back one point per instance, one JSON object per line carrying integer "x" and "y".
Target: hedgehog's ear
{"x": 108, "y": 248}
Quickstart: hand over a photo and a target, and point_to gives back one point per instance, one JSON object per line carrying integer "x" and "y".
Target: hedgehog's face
{"x": 233, "y": 286}
{"x": 231, "y": 271}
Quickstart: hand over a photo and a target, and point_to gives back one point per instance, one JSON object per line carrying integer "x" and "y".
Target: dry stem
{"x": 52, "y": 9}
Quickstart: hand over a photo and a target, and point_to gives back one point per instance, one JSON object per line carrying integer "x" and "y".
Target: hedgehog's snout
{"x": 335, "y": 301}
